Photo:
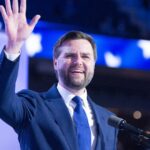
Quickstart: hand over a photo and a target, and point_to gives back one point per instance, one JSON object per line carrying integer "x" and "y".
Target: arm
{"x": 8, "y": 98}
{"x": 15, "y": 109}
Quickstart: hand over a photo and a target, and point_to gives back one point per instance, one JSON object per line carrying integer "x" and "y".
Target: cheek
{"x": 63, "y": 65}
{"x": 90, "y": 66}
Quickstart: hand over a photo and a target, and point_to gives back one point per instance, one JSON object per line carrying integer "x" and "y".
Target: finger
{"x": 8, "y": 7}
{"x": 15, "y": 6}
{"x": 23, "y": 6}
{"x": 3, "y": 12}
{"x": 34, "y": 21}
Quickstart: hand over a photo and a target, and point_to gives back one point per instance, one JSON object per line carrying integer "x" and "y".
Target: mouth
{"x": 76, "y": 72}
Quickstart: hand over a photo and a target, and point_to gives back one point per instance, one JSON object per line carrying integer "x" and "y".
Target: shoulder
{"x": 52, "y": 93}
{"x": 30, "y": 97}
{"x": 105, "y": 111}
{"x": 100, "y": 109}
{"x": 28, "y": 93}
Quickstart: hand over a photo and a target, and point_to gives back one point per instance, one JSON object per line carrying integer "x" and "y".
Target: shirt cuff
{"x": 11, "y": 57}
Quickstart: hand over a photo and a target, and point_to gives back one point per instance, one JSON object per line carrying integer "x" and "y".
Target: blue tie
{"x": 82, "y": 126}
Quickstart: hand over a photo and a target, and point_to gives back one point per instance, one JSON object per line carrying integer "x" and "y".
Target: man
{"x": 64, "y": 117}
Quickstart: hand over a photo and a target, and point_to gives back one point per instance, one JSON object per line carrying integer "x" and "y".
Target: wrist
{"x": 13, "y": 48}
{"x": 11, "y": 56}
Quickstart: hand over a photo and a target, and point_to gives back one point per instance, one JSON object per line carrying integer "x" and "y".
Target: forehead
{"x": 78, "y": 45}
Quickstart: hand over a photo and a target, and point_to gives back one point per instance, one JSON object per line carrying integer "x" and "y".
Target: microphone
{"x": 139, "y": 135}
{"x": 123, "y": 125}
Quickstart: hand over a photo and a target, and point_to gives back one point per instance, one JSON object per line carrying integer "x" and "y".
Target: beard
{"x": 75, "y": 82}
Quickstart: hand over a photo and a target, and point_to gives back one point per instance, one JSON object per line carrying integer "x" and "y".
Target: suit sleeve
{"x": 14, "y": 108}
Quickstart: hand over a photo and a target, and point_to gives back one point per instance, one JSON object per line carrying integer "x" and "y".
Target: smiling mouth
{"x": 77, "y": 73}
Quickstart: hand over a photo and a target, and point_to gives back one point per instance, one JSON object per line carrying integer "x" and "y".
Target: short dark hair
{"x": 73, "y": 35}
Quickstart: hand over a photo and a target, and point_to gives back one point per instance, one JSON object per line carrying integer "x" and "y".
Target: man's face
{"x": 75, "y": 64}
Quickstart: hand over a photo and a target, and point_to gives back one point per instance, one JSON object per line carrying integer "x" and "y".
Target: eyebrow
{"x": 83, "y": 53}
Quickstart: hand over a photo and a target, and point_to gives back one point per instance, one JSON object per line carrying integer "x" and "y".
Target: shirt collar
{"x": 67, "y": 95}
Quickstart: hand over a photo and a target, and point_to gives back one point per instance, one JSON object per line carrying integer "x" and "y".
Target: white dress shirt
{"x": 67, "y": 97}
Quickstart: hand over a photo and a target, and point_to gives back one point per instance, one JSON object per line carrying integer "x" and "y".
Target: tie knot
{"x": 77, "y": 100}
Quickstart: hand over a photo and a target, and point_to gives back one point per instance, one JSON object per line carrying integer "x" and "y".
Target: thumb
{"x": 34, "y": 21}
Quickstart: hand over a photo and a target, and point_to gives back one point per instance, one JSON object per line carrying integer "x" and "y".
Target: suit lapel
{"x": 62, "y": 117}
{"x": 98, "y": 120}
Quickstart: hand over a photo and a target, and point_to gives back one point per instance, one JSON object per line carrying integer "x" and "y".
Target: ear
{"x": 55, "y": 63}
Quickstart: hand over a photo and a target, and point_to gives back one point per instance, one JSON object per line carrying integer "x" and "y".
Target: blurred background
{"x": 121, "y": 29}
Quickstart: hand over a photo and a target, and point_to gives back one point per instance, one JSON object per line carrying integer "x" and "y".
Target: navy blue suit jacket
{"x": 42, "y": 120}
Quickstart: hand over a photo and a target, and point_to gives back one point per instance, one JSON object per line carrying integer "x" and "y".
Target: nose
{"x": 78, "y": 60}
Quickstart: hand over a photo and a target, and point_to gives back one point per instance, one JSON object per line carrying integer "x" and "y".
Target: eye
{"x": 69, "y": 55}
{"x": 86, "y": 56}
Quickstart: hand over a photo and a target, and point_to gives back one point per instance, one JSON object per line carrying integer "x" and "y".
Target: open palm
{"x": 16, "y": 26}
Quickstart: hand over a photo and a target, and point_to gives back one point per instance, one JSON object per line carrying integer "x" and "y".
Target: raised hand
{"x": 16, "y": 26}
